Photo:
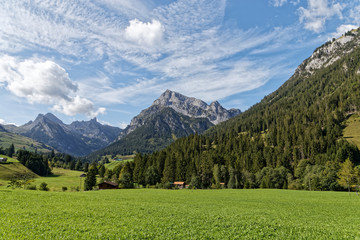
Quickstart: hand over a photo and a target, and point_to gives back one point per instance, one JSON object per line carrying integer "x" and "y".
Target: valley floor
{"x": 179, "y": 214}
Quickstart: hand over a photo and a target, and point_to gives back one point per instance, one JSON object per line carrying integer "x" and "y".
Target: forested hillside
{"x": 293, "y": 138}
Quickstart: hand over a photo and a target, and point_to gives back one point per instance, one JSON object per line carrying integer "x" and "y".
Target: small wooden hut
{"x": 179, "y": 185}
{"x": 108, "y": 185}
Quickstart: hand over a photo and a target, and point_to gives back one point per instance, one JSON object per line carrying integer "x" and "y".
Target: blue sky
{"x": 112, "y": 58}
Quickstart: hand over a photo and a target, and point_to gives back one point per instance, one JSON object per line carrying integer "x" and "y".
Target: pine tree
{"x": 90, "y": 180}
{"x": 11, "y": 150}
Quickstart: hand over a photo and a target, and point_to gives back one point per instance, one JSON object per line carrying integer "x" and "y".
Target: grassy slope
{"x": 6, "y": 139}
{"x": 9, "y": 169}
{"x": 113, "y": 163}
{"x": 62, "y": 178}
{"x": 183, "y": 214}
{"x": 352, "y": 130}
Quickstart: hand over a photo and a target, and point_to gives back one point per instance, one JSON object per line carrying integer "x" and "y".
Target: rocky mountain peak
{"x": 53, "y": 118}
{"x": 187, "y": 106}
{"x": 194, "y": 107}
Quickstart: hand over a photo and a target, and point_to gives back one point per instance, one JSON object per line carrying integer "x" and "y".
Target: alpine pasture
{"x": 179, "y": 214}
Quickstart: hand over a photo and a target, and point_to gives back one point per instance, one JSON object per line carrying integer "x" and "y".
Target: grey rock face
{"x": 188, "y": 106}
{"x": 193, "y": 107}
{"x": 330, "y": 52}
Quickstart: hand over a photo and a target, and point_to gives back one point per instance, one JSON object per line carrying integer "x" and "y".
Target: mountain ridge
{"x": 77, "y": 138}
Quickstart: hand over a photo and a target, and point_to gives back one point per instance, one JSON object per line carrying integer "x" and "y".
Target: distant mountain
{"x": 188, "y": 106}
{"x": 78, "y": 138}
{"x": 171, "y": 116}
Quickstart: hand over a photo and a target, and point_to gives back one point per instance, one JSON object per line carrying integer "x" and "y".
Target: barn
{"x": 108, "y": 185}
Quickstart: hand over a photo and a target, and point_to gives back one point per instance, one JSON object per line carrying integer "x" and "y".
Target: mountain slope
{"x": 78, "y": 138}
{"x": 171, "y": 116}
{"x": 292, "y": 138}
{"x": 21, "y": 142}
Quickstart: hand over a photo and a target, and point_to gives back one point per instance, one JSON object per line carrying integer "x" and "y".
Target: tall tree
{"x": 11, "y": 150}
{"x": 90, "y": 180}
{"x": 347, "y": 174}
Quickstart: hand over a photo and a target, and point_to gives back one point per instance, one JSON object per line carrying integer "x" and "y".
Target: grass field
{"x": 352, "y": 130}
{"x": 179, "y": 214}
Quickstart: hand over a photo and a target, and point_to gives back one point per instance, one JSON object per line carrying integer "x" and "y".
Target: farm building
{"x": 180, "y": 185}
{"x": 108, "y": 185}
{"x": 3, "y": 160}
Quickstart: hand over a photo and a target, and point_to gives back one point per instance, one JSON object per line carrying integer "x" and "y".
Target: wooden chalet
{"x": 3, "y": 160}
{"x": 108, "y": 185}
{"x": 180, "y": 185}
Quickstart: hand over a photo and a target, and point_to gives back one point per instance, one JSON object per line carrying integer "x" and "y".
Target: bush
{"x": 43, "y": 187}
{"x": 64, "y": 189}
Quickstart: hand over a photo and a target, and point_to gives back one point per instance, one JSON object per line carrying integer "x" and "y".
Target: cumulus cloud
{"x": 317, "y": 13}
{"x": 78, "y": 105}
{"x": 149, "y": 33}
{"x": 44, "y": 82}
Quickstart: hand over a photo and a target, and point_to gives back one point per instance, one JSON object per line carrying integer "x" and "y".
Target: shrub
{"x": 43, "y": 187}
{"x": 64, "y": 189}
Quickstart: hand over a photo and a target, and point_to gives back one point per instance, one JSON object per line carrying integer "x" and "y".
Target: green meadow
{"x": 179, "y": 214}
{"x": 10, "y": 168}
{"x": 352, "y": 130}
{"x": 62, "y": 178}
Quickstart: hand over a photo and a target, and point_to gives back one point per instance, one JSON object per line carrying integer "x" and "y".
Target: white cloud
{"x": 44, "y": 82}
{"x": 3, "y": 122}
{"x": 355, "y": 15}
{"x": 123, "y": 125}
{"x": 78, "y": 105}
{"x": 342, "y": 29}
{"x": 148, "y": 34}
{"x": 278, "y": 3}
{"x": 317, "y": 13}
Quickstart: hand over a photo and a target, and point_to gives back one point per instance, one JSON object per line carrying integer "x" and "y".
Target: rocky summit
{"x": 188, "y": 106}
